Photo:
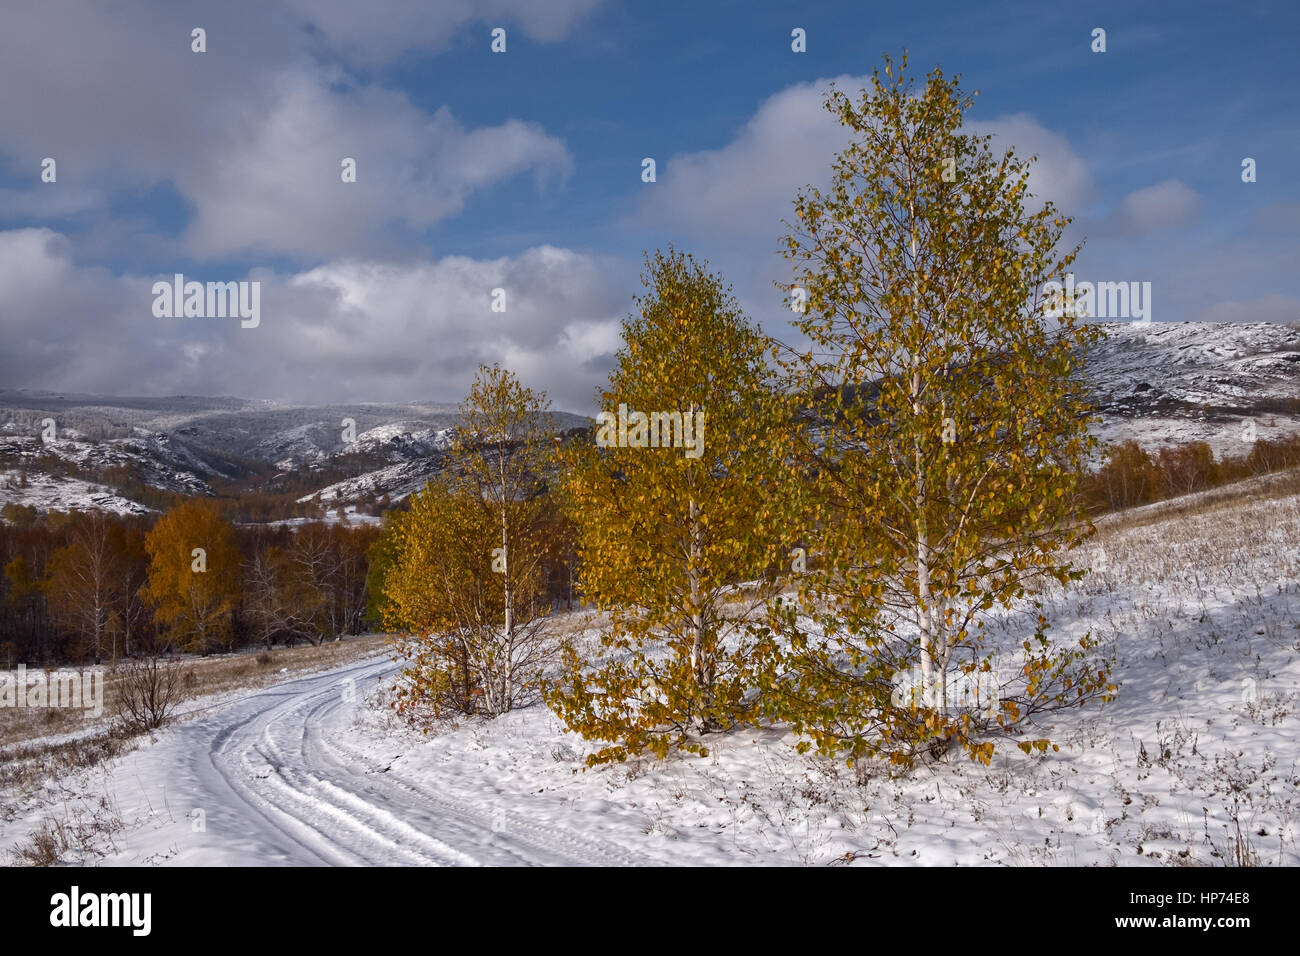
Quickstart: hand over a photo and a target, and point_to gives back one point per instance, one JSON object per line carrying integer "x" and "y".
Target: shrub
{"x": 147, "y": 691}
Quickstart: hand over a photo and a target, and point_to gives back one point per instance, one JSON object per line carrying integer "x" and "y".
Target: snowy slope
{"x": 177, "y": 444}
{"x": 1170, "y": 383}
{"x": 57, "y": 493}
{"x": 416, "y": 455}
{"x": 153, "y": 458}
{"x": 395, "y": 481}
{"x": 1195, "y": 761}
{"x": 1158, "y": 383}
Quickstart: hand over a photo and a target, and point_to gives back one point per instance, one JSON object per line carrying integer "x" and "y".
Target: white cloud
{"x": 1059, "y": 175}
{"x": 280, "y": 189}
{"x": 347, "y": 330}
{"x": 1162, "y": 206}
{"x": 745, "y": 188}
{"x": 250, "y": 133}
{"x": 749, "y": 185}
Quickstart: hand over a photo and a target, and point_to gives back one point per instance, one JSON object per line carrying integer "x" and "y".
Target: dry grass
{"x": 1249, "y": 545}
{"x": 219, "y": 674}
{"x": 83, "y": 830}
{"x": 27, "y": 766}
{"x": 37, "y": 745}
{"x": 1283, "y": 484}
{"x": 1207, "y": 589}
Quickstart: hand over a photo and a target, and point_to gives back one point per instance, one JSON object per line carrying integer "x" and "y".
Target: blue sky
{"x": 522, "y": 170}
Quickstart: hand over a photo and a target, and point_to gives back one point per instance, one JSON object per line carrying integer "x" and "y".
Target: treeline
{"x": 1130, "y": 475}
{"x": 92, "y": 587}
{"x": 74, "y": 586}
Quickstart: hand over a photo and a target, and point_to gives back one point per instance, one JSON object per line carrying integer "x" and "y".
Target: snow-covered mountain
{"x": 1158, "y": 383}
{"x": 1167, "y": 383}
{"x": 181, "y": 444}
{"x": 396, "y": 481}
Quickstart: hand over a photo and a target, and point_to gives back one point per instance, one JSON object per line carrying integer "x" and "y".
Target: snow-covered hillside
{"x": 1194, "y": 762}
{"x": 395, "y": 481}
{"x": 178, "y": 444}
{"x": 1169, "y": 383}
{"x": 152, "y": 458}
{"x": 1158, "y": 383}
{"x": 60, "y": 493}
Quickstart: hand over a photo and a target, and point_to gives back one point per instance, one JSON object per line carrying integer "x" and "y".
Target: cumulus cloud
{"x": 138, "y": 103}
{"x": 244, "y": 144}
{"x": 73, "y": 327}
{"x": 1058, "y": 175}
{"x": 749, "y": 184}
{"x": 1162, "y": 206}
{"x": 347, "y": 330}
{"x": 745, "y": 188}
{"x": 280, "y": 190}
{"x": 249, "y": 134}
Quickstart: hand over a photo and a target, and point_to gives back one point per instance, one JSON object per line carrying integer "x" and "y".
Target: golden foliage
{"x": 950, "y": 427}
{"x": 193, "y": 594}
{"x": 667, "y": 539}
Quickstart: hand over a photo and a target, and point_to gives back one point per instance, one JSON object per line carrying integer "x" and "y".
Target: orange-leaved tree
{"x": 194, "y": 577}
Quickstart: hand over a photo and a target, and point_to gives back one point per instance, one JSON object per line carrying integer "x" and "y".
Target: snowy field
{"x": 1195, "y": 763}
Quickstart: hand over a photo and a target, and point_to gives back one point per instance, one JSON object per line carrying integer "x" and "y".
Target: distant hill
{"x": 1167, "y": 383}
{"x": 181, "y": 444}
{"x": 1159, "y": 383}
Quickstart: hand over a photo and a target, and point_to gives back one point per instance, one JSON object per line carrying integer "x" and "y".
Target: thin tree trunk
{"x": 933, "y": 692}
{"x": 700, "y": 670}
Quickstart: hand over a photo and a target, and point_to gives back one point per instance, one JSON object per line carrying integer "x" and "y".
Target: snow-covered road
{"x": 272, "y": 779}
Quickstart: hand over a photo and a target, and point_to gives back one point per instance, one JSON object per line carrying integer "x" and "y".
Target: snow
{"x": 329, "y": 517}
{"x": 397, "y": 481}
{"x": 1167, "y": 383}
{"x": 1158, "y": 383}
{"x": 1201, "y": 609}
{"x": 56, "y": 493}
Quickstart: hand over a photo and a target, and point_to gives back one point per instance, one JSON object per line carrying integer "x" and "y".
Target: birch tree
{"x": 679, "y": 527}
{"x": 81, "y": 582}
{"x": 948, "y": 426}
{"x": 465, "y": 580}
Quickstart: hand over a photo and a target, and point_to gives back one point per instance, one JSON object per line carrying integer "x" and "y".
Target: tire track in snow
{"x": 527, "y": 839}
{"x": 283, "y": 755}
